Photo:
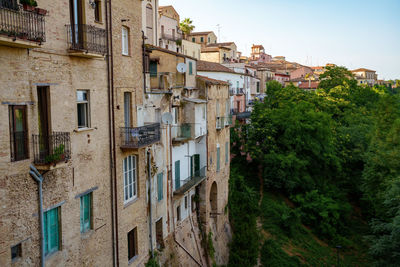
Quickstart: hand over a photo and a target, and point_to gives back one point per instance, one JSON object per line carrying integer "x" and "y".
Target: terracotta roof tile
{"x": 211, "y": 81}
{"x": 212, "y": 66}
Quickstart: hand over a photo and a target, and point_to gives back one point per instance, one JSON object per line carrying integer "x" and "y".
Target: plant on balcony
{"x": 57, "y": 156}
{"x": 179, "y": 42}
{"x": 29, "y": 5}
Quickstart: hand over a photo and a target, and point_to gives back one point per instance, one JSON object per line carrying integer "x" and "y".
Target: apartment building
{"x": 365, "y": 76}
{"x": 54, "y": 116}
{"x": 150, "y": 21}
{"x": 202, "y": 38}
{"x": 170, "y": 33}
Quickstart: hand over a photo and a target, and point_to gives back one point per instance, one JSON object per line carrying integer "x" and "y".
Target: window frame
{"x": 57, "y": 247}
{"x": 190, "y": 68}
{"x": 87, "y": 109}
{"x": 226, "y": 152}
{"x": 12, "y": 130}
{"x": 98, "y": 11}
{"x": 130, "y": 187}
{"x": 132, "y": 239}
{"x": 85, "y": 227}
{"x": 218, "y": 158}
{"x": 160, "y": 186}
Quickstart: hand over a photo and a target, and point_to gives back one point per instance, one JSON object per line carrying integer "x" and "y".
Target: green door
{"x": 177, "y": 174}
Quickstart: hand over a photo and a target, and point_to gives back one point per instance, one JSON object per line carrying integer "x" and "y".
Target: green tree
{"x": 186, "y": 26}
{"x": 336, "y": 76}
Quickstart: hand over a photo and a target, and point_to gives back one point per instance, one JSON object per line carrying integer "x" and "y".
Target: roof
{"x": 255, "y": 46}
{"x": 306, "y": 85}
{"x": 200, "y": 33}
{"x": 195, "y": 100}
{"x": 152, "y": 47}
{"x": 211, "y": 81}
{"x": 363, "y": 69}
{"x": 213, "y": 49}
{"x": 221, "y": 44}
{"x": 212, "y": 66}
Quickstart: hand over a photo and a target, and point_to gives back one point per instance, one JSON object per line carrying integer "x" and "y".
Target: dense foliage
{"x": 334, "y": 154}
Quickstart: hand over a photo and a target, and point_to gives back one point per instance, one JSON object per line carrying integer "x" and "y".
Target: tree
{"x": 186, "y": 26}
{"x": 335, "y": 76}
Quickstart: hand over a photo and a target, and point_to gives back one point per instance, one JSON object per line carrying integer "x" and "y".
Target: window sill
{"x": 52, "y": 254}
{"x": 132, "y": 260}
{"x": 84, "y": 129}
{"x": 130, "y": 202}
{"x": 126, "y": 55}
{"x": 98, "y": 22}
{"x": 87, "y": 234}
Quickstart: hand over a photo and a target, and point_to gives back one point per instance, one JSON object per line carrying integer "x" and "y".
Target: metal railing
{"x": 19, "y": 145}
{"x": 171, "y": 37}
{"x": 10, "y": 4}
{"x": 166, "y": 80}
{"x": 228, "y": 120}
{"x": 183, "y": 131}
{"x": 49, "y": 149}
{"x": 21, "y": 24}
{"x": 194, "y": 179}
{"x": 82, "y": 37}
{"x": 138, "y": 137}
{"x": 220, "y": 124}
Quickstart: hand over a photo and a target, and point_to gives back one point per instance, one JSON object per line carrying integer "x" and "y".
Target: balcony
{"x": 192, "y": 181}
{"x": 228, "y": 120}
{"x": 86, "y": 41}
{"x": 20, "y": 28}
{"x": 135, "y": 138}
{"x": 51, "y": 149}
{"x": 166, "y": 81}
{"x": 181, "y": 133}
{"x": 245, "y": 114}
{"x": 171, "y": 37}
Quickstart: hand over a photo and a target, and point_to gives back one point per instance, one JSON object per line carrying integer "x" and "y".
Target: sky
{"x": 352, "y": 33}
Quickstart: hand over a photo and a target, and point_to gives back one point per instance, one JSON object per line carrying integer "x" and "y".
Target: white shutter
{"x": 125, "y": 41}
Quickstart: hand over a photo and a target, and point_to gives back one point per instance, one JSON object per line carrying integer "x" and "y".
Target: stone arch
{"x": 214, "y": 199}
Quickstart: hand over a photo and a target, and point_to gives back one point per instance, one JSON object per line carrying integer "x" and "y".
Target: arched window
{"x": 149, "y": 24}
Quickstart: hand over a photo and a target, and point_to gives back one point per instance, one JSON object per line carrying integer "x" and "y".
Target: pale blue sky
{"x": 353, "y": 33}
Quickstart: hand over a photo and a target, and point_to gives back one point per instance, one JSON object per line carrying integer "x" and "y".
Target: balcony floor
{"x": 20, "y": 43}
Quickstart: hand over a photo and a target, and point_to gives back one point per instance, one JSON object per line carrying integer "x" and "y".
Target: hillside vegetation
{"x": 324, "y": 172}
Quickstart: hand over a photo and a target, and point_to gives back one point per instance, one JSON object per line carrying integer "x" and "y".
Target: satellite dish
{"x": 181, "y": 68}
{"x": 166, "y": 118}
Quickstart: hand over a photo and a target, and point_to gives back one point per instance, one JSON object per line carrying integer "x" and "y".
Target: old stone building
{"x": 54, "y": 115}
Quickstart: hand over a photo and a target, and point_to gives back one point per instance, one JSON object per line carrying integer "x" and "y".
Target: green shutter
{"x": 196, "y": 159}
{"x": 160, "y": 186}
{"x": 85, "y": 217}
{"x": 226, "y": 152}
{"x": 218, "y": 158}
{"x": 190, "y": 68}
{"x": 51, "y": 232}
{"x": 153, "y": 68}
{"x": 177, "y": 174}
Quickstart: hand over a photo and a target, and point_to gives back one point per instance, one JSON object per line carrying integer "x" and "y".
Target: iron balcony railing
{"x": 228, "y": 120}
{"x": 134, "y": 138}
{"x": 50, "y": 149}
{"x": 193, "y": 180}
{"x": 171, "y": 37}
{"x": 182, "y": 132}
{"x": 82, "y": 37}
{"x": 234, "y": 111}
{"x": 21, "y": 24}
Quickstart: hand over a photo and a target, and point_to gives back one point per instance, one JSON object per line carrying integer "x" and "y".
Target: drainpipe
{"x": 150, "y": 216}
{"x": 39, "y": 179}
{"x": 111, "y": 116}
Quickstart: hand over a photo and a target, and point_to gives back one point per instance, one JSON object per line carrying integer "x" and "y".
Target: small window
{"x": 16, "y": 252}
{"x": 18, "y": 133}
{"x": 186, "y": 202}
{"x": 178, "y": 213}
{"x": 203, "y": 108}
{"x": 193, "y": 203}
{"x": 132, "y": 244}
{"x": 130, "y": 182}
{"x": 202, "y": 39}
{"x": 83, "y": 108}
{"x": 190, "y": 68}
{"x": 51, "y": 231}
{"x": 218, "y": 159}
{"x": 97, "y": 11}
{"x": 86, "y": 213}
{"x": 209, "y": 40}
{"x": 125, "y": 41}
{"x": 258, "y": 87}
{"x": 193, "y": 39}
{"x": 160, "y": 186}
{"x": 153, "y": 68}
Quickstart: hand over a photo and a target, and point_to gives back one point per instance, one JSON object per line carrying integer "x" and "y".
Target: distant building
{"x": 216, "y": 54}
{"x": 365, "y": 76}
{"x": 258, "y": 54}
{"x": 301, "y": 72}
{"x": 203, "y": 38}
{"x": 233, "y": 54}
{"x": 191, "y": 49}
{"x": 282, "y": 77}
{"x": 170, "y": 33}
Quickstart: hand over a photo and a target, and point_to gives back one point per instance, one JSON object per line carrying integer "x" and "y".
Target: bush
{"x": 273, "y": 256}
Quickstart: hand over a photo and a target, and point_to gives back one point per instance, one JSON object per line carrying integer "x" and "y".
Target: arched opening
{"x": 149, "y": 24}
{"x": 214, "y": 200}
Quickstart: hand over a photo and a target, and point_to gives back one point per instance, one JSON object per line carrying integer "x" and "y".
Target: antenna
{"x": 219, "y": 33}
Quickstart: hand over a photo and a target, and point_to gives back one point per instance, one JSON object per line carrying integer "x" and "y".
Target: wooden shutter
{"x": 218, "y": 158}
{"x": 196, "y": 159}
{"x": 177, "y": 174}
{"x": 160, "y": 186}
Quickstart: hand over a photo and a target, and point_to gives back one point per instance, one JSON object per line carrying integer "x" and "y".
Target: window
{"x": 178, "y": 213}
{"x": 209, "y": 39}
{"x": 186, "y": 202}
{"x": 153, "y": 68}
{"x": 177, "y": 174}
{"x": 83, "y": 108}
{"x": 125, "y": 41}
{"x": 175, "y": 115}
{"x": 258, "y": 87}
{"x": 130, "y": 183}
{"x": 127, "y": 109}
{"x": 132, "y": 244}
{"x": 160, "y": 186}
{"x": 218, "y": 158}
{"x": 193, "y": 203}
{"x": 97, "y": 11}
{"x": 16, "y": 252}
{"x": 226, "y": 152}
{"x": 190, "y": 68}
{"x": 193, "y": 39}
{"x": 18, "y": 133}
{"x": 86, "y": 213}
{"x": 203, "y": 111}
{"x": 202, "y": 39}
{"x": 51, "y": 231}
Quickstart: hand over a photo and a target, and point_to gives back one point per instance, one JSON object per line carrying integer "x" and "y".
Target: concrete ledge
{"x": 84, "y": 54}
{"x": 16, "y": 42}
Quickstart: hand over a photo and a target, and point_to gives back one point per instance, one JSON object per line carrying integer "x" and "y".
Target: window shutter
{"x": 190, "y": 68}
{"x": 46, "y": 234}
{"x": 226, "y": 152}
{"x": 160, "y": 186}
{"x": 218, "y": 159}
{"x": 177, "y": 174}
{"x": 153, "y": 69}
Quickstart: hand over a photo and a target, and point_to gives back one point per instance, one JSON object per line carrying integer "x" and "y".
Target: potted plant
{"x": 28, "y": 5}
{"x": 41, "y": 11}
